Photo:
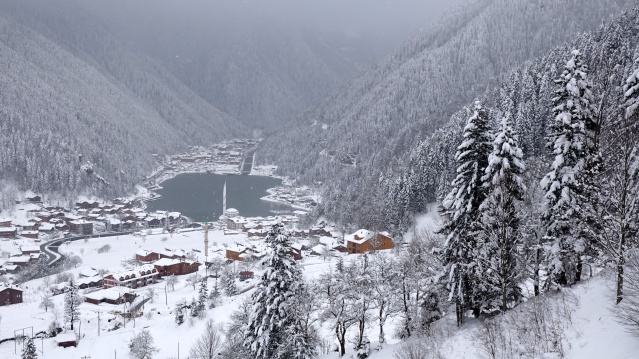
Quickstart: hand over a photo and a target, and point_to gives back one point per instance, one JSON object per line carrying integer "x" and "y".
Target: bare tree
{"x": 141, "y": 345}
{"x": 209, "y": 344}
{"x": 171, "y": 281}
{"x": 151, "y": 293}
{"x": 46, "y": 302}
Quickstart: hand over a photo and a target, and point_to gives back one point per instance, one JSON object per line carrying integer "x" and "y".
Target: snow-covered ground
{"x": 594, "y": 333}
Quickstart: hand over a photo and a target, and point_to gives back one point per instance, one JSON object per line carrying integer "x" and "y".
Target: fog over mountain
{"x": 263, "y": 62}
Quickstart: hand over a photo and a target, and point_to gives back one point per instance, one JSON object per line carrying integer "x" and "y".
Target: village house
{"x": 233, "y": 253}
{"x": 168, "y": 267}
{"x": 296, "y": 251}
{"x": 81, "y": 226}
{"x": 8, "y": 232}
{"x": 10, "y": 268}
{"x": 5, "y": 222}
{"x": 236, "y": 223}
{"x": 66, "y": 340}
{"x": 138, "y": 277}
{"x": 22, "y": 261}
{"x": 245, "y": 275}
{"x": 115, "y": 295}
{"x": 145, "y": 256}
{"x": 30, "y": 234}
{"x": 33, "y": 199}
{"x": 26, "y": 250}
{"x": 90, "y": 282}
{"x": 10, "y": 295}
{"x": 364, "y": 241}
{"x": 46, "y": 227}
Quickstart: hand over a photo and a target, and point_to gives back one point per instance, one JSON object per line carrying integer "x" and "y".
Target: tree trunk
{"x": 382, "y": 338}
{"x": 621, "y": 261}
{"x": 340, "y": 330}
{"x": 536, "y": 273}
{"x": 579, "y": 269}
{"x": 459, "y": 312}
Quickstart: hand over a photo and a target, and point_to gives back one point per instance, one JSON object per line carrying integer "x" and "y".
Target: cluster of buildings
{"x": 27, "y": 256}
{"x": 121, "y": 215}
{"x": 301, "y": 197}
{"x": 225, "y": 157}
{"x": 328, "y": 240}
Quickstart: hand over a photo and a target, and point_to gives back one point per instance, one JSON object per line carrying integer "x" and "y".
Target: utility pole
{"x": 98, "y": 323}
{"x": 206, "y": 247}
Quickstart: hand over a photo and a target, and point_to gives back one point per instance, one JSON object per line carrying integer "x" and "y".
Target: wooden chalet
{"x": 168, "y": 267}
{"x": 10, "y": 295}
{"x": 364, "y": 241}
{"x": 81, "y": 226}
{"x": 8, "y": 232}
{"x": 115, "y": 295}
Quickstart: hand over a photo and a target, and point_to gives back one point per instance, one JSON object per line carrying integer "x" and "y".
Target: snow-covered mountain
{"x": 371, "y": 125}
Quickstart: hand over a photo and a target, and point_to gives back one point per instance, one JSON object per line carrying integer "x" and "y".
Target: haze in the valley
{"x": 265, "y": 61}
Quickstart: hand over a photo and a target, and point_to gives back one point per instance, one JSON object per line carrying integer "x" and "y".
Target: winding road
{"x": 50, "y": 249}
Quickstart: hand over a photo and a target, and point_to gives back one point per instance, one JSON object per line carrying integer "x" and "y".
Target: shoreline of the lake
{"x": 226, "y": 158}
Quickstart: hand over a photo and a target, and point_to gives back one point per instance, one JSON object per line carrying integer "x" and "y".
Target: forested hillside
{"x": 368, "y": 130}
{"x": 526, "y": 97}
{"x": 82, "y": 112}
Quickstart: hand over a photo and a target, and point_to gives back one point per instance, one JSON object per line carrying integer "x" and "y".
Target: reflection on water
{"x": 199, "y": 195}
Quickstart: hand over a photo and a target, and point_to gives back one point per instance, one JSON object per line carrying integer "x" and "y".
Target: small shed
{"x": 66, "y": 340}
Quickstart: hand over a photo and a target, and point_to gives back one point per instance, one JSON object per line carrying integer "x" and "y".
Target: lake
{"x": 199, "y": 195}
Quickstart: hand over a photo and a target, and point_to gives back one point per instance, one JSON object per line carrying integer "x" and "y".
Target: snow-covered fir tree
{"x": 267, "y": 333}
{"x": 566, "y": 202}
{"x": 230, "y": 288}
{"x": 631, "y": 92}
{"x": 72, "y": 301}
{"x": 179, "y": 313}
{"x": 195, "y": 308}
{"x": 29, "y": 350}
{"x": 213, "y": 297}
{"x": 497, "y": 249}
{"x": 460, "y": 209}
{"x": 202, "y": 297}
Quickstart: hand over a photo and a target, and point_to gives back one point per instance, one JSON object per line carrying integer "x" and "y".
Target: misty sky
{"x": 388, "y": 21}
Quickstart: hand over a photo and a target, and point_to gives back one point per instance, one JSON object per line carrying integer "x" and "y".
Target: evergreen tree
{"x": 631, "y": 91}
{"x": 569, "y": 185}
{"x": 461, "y": 210}
{"x": 230, "y": 288}
{"x": 29, "y": 350}
{"x": 214, "y": 295}
{"x": 179, "y": 313}
{"x": 202, "y": 296}
{"x": 497, "y": 272}
{"x": 195, "y": 309}
{"x": 72, "y": 301}
{"x": 340, "y": 265}
{"x": 273, "y": 313}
